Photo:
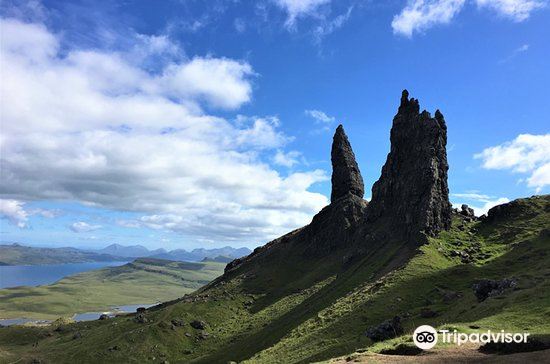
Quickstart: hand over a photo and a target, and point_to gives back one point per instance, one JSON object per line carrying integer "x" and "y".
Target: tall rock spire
{"x": 412, "y": 193}
{"x": 346, "y": 177}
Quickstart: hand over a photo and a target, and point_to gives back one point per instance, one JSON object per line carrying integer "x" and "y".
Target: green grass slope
{"x": 290, "y": 309}
{"x": 144, "y": 281}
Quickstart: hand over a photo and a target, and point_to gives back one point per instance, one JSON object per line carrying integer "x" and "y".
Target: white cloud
{"x": 299, "y": 8}
{"x": 260, "y": 132}
{"x": 330, "y": 26}
{"x": 13, "y": 211}
{"x": 420, "y": 15}
{"x": 99, "y": 128}
{"x": 525, "y": 154}
{"x": 320, "y": 116}
{"x": 519, "y": 50}
{"x": 240, "y": 25}
{"x": 83, "y": 227}
{"x": 222, "y": 82}
{"x": 287, "y": 159}
{"x": 522, "y": 48}
{"x": 540, "y": 177}
{"x": 517, "y": 10}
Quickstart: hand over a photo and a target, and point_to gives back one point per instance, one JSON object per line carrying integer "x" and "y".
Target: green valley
{"x": 143, "y": 281}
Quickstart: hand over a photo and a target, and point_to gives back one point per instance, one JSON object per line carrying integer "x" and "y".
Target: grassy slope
{"x": 316, "y": 318}
{"x": 25, "y": 255}
{"x": 142, "y": 281}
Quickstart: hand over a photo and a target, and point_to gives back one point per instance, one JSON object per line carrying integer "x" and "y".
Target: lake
{"x": 86, "y": 316}
{"x": 38, "y": 275}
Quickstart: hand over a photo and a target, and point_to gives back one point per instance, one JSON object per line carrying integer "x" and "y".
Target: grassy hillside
{"x": 294, "y": 309}
{"x": 140, "y": 282}
{"x": 15, "y": 254}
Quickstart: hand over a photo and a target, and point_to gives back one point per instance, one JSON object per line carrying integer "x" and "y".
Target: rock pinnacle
{"x": 412, "y": 193}
{"x": 346, "y": 177}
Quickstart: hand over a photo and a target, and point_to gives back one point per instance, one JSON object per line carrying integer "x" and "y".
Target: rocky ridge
{"x": 410, "y": 200}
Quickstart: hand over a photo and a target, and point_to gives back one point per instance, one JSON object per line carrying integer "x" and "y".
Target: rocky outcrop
{"x": 346, "y": 177}
{"x": 467, "y": 211}
{"x": 486, "y": 288}
{"x": 412, "y": 196}
{"x": 334, "y": 226}
{"x": 386, "y": 330}
{"x": 409, "y": 199}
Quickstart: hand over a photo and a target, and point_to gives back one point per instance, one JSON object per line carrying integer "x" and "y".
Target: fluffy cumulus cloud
{"x": 527, "y": 154}
{"x": 13, "y": 211}
{"x": 287, "y": 159}
{"x": 299, "y": 8}
{"x": 18, "y": 214}
{"x": 83, "y": 227}
{"x": 101, "y": 128}
{"x": 420, "y": 15}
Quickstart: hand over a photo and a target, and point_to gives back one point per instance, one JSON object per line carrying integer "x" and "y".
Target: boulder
{"x": 197, "y": 324}
{"x": 427, "y": 313}
{"x": 178, "y": 322}
{"x": 103, "y": 316}
{"x": 203, "y": 335}
{"x": 386, "y": 330}
{"x": 485, "y": 288}
{"x": 141, "y": 319}
{"x": 467, "y": 211}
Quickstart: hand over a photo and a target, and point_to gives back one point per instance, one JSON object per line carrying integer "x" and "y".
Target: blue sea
{"x": 38, "y": 275}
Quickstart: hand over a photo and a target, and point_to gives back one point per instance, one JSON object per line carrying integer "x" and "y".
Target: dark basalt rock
{"x": 412, "y": 195}
{"x": 335, "y": 225}
{"x": 467, "y": 211}
{"x": 486, "y": 288}
{"x": 197, "y": 324}
{"x": 386, "y": 330}
{"x": 141, "y": 319}
{"x": 427, "y": 313}
{"x": 346, "y": 177}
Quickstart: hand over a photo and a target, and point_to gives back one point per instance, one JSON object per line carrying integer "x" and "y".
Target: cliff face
{"x": 412, "y": 195}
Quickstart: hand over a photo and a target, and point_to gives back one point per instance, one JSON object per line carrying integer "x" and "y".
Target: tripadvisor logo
{"x": 425, "y": 337}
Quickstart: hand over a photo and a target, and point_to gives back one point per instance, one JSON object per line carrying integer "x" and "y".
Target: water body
{"x": 38, "y": 275}
{"x": 89, "y": 316}
{"x": 86, "y": 316}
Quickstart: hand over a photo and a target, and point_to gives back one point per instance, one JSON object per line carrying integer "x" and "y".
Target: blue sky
{"x": 184, "y": 124}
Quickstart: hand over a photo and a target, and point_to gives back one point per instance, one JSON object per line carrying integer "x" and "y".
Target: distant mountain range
{"x": 195, "y": 255}
{"x": 132, "y": 251}
{"x": 17, "y": 254}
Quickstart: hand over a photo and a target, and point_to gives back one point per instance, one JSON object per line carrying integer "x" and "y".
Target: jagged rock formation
{"x": 412, "y": 195}
{"x": 409, "y": 199}
{"x": 346, "y": 177}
